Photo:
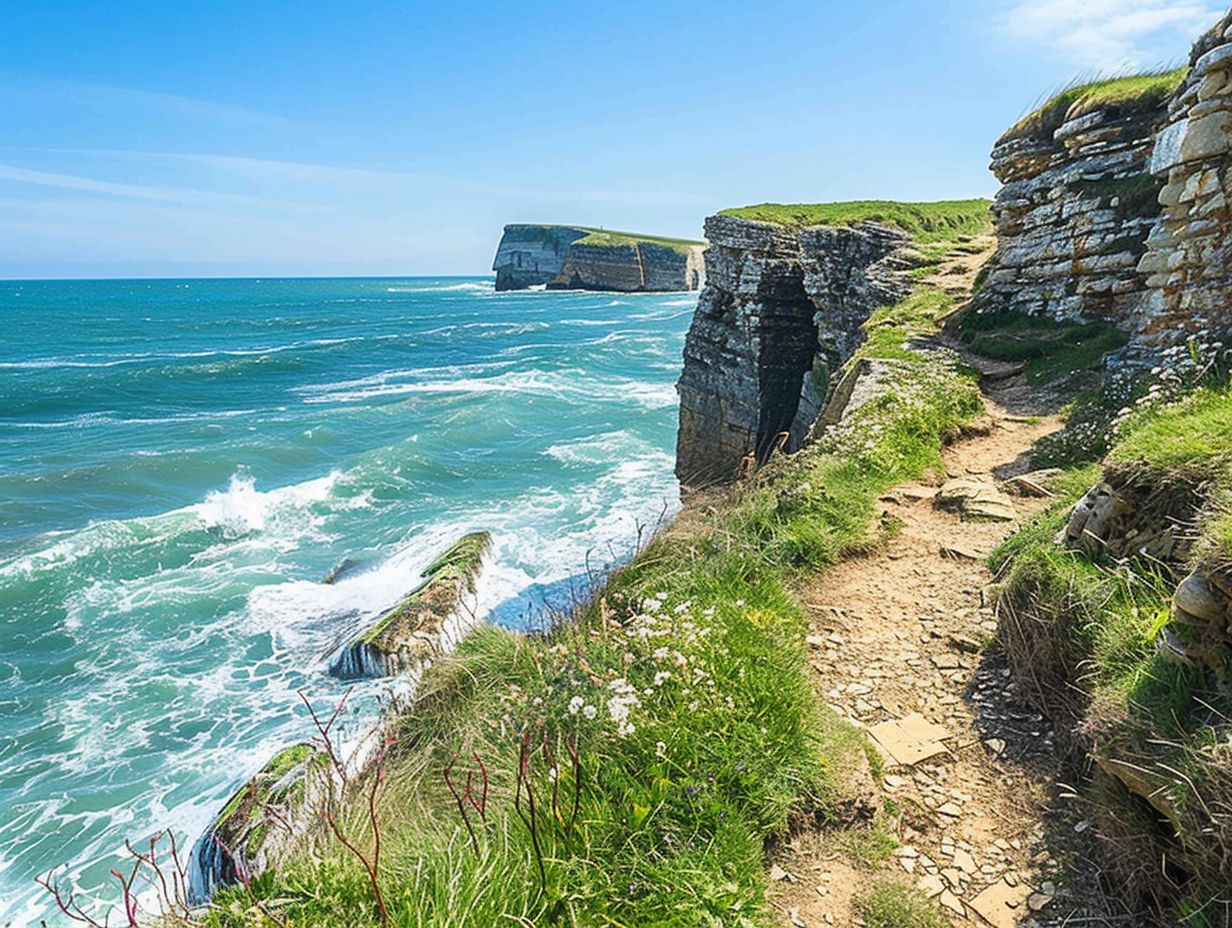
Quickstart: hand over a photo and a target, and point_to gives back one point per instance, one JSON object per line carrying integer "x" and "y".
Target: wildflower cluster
{"x": 1201, "y": 361}
{"x": 653, "y": 656}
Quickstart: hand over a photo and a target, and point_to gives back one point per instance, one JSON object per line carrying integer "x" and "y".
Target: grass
{"x": 1051, "y": 350}
{"x": 1144, "y": 90}
{"x": 892, "y": 904}
{"x": 602, "y": 238}
{"x": 1080, "y": 634}
{"x": 945, "y": 221}
{"x": 686, "y": 689}
{"x": 1196, "y": 432}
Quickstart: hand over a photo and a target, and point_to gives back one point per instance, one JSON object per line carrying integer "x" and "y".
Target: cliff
{"x": 1078, "y": 203}
{"x": 788, "y": 289}
{"x": 1188, "y": 264}
{"x": 580, "y": 258}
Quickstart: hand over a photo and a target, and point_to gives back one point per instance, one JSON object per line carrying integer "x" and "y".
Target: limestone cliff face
{"x": 781, "y": 308}
{"x": 644, "y": 266}
{"x": 1073, "y": 217}
{"x": 1188, "y": 265}
{"x": 562, "y": 258}
{"x": 532, "y": 255}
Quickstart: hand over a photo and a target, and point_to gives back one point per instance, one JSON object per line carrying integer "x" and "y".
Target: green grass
{"x": 687, "y": 687}
{"x": 603, "y": 238}
{"x": 1196, "y": 432}
{"x": 892, "y": 904}
{"x": 945, "y": 221}
{"x": 1080, "y": 634}
{"x": 1135, "y": 90}
{"x": 1050, "y": 349}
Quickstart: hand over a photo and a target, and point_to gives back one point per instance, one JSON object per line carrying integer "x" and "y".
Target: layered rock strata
{"x": 1188, "y": 264}
{"x": 577, "y": 258}
{"x": 425, "y": 625}
{"x": 782, "y": 307}
{"x": 1073, "y": 217}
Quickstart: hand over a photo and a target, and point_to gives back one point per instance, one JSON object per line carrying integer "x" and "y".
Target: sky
{"x": 141, "y": 138}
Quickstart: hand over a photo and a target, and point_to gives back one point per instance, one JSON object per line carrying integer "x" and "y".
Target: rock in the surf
{"x": 428, "y": 623}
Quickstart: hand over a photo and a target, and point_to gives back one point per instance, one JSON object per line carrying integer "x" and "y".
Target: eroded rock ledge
{"x": 580, "y": 258}
{"x": 781, "y": 309}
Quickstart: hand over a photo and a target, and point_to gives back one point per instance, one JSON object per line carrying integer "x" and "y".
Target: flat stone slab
{"x": 976, "y": 499}
{"x": 1002, "y": 905}
{"x": 907, "y": 741}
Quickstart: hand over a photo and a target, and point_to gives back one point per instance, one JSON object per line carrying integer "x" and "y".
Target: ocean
{"x": 182, "y": 462}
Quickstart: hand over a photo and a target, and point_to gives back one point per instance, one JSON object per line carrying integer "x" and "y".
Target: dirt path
{"x": 897, "y": 637}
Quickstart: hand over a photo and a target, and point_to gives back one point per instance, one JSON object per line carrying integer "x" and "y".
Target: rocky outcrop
{"x": 1073, "y": 217}
{"x": 263, "y": 816}
{"x": 782, "y": 307}
{"x": 577, "y": 258}
{"x": 425, "y": 625}
{"x": 532, "y": 255}
{"x": 1188, "y": 265}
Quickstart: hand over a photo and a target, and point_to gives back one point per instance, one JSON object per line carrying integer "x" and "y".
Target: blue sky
{"x": 242, "y": 138}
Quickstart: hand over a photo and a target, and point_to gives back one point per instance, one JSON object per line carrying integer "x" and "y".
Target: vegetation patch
{"x": 944, "y": 221}
{"x": 603, "y": 238}
{"x": 1132, "y": 93}
{"x": 1081, "y": 632}
{"x": 894, "y": 904}
{"x": 1051, "y": 350}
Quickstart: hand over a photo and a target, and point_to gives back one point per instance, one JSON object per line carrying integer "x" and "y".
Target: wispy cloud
{"x": 186, "y": 197}
{"x": 1111, "y": 35}
{"x": 110, "y": 98}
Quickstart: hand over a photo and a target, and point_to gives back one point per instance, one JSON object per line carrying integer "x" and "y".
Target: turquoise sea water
{"x": 182, "y": 462}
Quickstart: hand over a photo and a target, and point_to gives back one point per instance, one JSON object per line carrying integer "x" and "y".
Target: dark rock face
{"x": 558, "y": 257}
{"x": 782, "y": 307}
{"x": 1074, "y": 215}
{"x": 1188, "y": 264}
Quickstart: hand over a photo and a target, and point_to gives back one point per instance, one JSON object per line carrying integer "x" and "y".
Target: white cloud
{"x": 1112, "y": 35}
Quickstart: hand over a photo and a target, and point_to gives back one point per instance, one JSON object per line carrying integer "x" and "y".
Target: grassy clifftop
{"x": 942, "y": 221}
{"x": 593, "y": 236}
{"x": 1132, "y": 92}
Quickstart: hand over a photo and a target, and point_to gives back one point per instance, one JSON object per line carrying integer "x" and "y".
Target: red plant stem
{"x": 553, "y": 775}
{"x": 126, "y": 895}
{"x": 524, "y": 779}
{"x": 68, "y": 907}
{"x": 483, "y": 772}
{"x": 324, "y": 737}
{"x": 458, "y": 798}
{"x": 245, "y": 878}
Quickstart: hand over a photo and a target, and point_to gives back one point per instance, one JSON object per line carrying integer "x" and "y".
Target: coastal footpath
{"x": 943, "y": 635}
{"x": 580, "y": 258}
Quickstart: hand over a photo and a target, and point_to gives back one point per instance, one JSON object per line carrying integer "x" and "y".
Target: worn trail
{"x": 898, "y": 639}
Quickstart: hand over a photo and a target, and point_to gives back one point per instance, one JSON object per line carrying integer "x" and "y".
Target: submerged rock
{"x": 428, "y": 623}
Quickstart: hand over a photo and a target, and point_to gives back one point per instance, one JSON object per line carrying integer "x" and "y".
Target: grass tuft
{"x": 892, "y": 904}
{"x": 1134, "y": 91}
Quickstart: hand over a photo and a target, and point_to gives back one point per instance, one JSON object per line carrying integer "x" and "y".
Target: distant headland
{"x": 582, "y": 258}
